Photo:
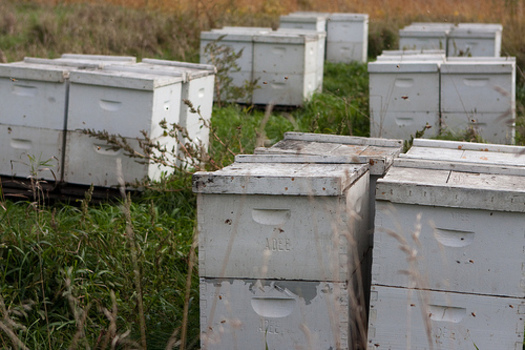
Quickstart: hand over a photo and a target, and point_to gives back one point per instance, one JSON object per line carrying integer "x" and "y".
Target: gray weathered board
{"x": 467, "y": 152}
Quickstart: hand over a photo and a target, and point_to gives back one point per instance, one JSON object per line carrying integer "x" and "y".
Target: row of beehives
{"x": 410, "y": 90}
{"x": 47, "y": 103}
{"x": 286, "y": 65}
{"x": 463, "y": 39}
{"x": 288, "y": 256}
{"x": 286, "y": 71}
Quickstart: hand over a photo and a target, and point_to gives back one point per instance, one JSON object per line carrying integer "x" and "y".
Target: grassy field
{"x": 122, "y": 274}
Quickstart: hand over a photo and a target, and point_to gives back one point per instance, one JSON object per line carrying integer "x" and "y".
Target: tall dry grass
{"x": 170, "y": 28}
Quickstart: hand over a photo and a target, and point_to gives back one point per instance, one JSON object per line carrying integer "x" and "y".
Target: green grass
{"x": 62, "y": 261}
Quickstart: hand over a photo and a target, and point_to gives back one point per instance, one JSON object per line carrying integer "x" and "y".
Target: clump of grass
{"x": 382, "y": 36}
{"x": 234, "y": 130}
{"x": 67, "y": 268}
{"x": 342, "y": 108}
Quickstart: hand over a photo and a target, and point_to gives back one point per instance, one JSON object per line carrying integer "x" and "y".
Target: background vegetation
{"x": 122, "y": 275}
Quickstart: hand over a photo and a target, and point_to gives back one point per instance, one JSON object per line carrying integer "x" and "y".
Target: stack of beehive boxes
{"x": 448, "y": 266}
{"x": 424, "y": 36}
{"x": 34, "y": 99}
{"x": 463, "y": 39}
{"x": 346, "y": 33}
{"x": 55, "y": 100}
{"x": 236, "y": 39}
{"x": 479, "y": 93}
{"x": 285, "y": 65}
{"x": 412, "y": 91}
{"x": 319, "y": 51}
{"x": 404, "y": 96}
{"x": 284, "y": 243}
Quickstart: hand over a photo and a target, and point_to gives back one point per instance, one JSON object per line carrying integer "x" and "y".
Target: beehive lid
{"x": 474, "y": 66}
{"x": 148, "y": 69}
{"x": 243, "y": 29}
{"x": 432, "y": 25}
{"x": 482, "y": 59}
{"x": 36, "y": 72}
{"x": 440, "y": 31}
{"x": 190, "y": 71}
{"x": 407, "y": 66}
{"x": 124, "y": 77}
{"x": 279, "y": 179}
{"x": 210, "y": 69}
{"x": 476, "y": 30}
{"x": 299, "y": 31}
{"x": 107, "y": 58}
{"x": 66, "y": 63}
{"x": 303, "y": 18}
{"x": 456, "y": 185}
{"x": 322, "y": 148}
{"x": 413, "y": 52}
{"x": 234, "y": 36}
{"x": 416, "y": 57}
{"x": 277, "y": 37}
{"x": 412, "y": 55}
{"x": 324, "y": 15}
{"x": 466, "y": 152}
{"x": 345, "y": 17}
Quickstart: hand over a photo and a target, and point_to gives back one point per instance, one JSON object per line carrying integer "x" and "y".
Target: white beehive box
{"x": 282, "y": 221}
{"x": 33, "y": 95}
{"x": 475, "y": 39}
{"x": 347, "y": 38}
{"x": 121, "y": 100}
{"x": 304, "y": 20}
{"x": 455, "y": 210}
{"x": 124, "y": 100}
{"x": 402, "y": 318}
{"x": 480, "y": 94}
{"x": 81, "y": 62}
{"x": 21, "y": 143}
{"x": 321, "y": 50}
{"x": 269, "y": 314}
{"x": 424, "y": 36}
{"x": 285, "y": 66}
{"x": 197, "y": 87}
{"x": 237, "y": 38}
{"x": 404, "y": 98}
{"x": 106, "y": 59}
